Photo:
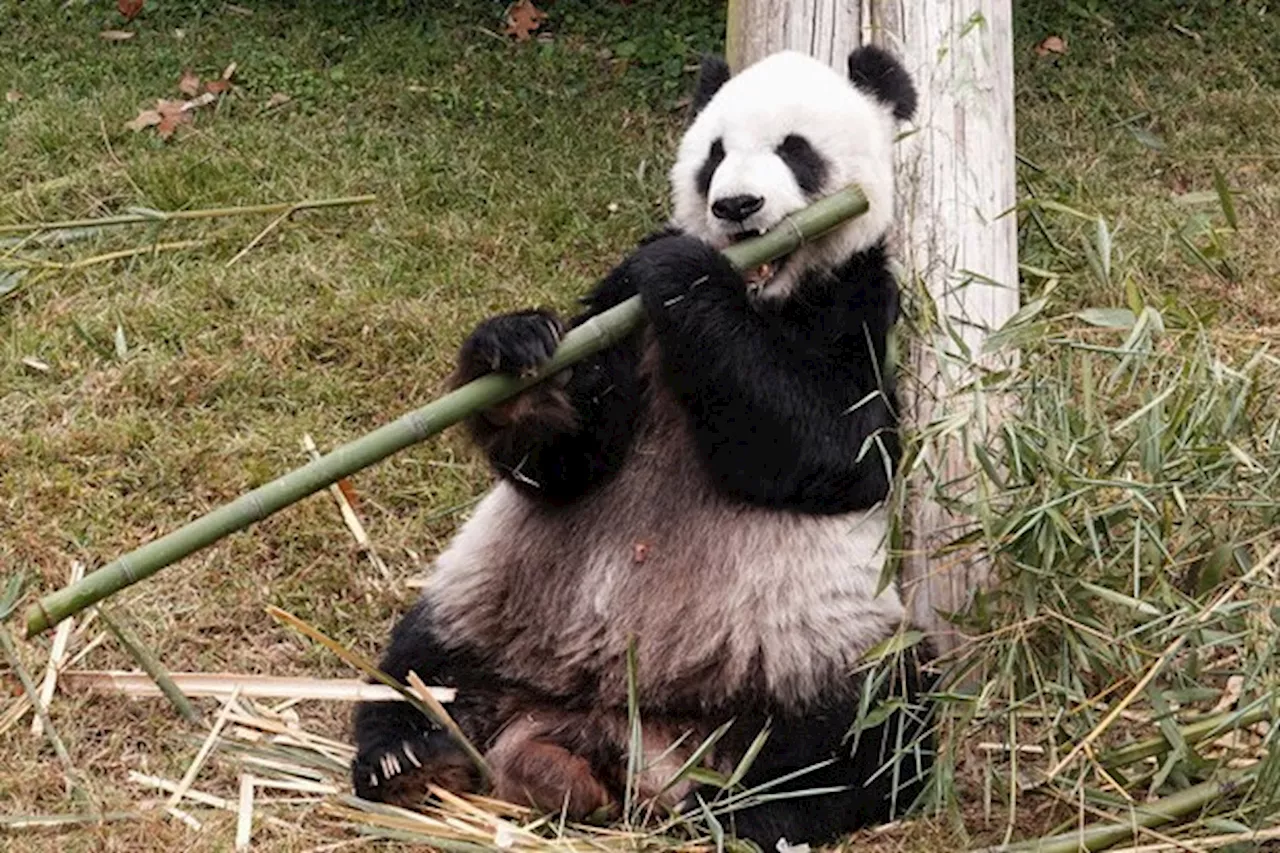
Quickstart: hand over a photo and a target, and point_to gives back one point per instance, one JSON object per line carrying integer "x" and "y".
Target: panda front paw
{"x": 517, "y": 344}
{"x": 400, "y": 770}
{"x": 669, "y": 269}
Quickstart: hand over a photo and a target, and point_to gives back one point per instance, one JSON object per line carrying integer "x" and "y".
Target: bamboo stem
{"x": 1193, "y": 733}
{"x": 1100, "y": 836}
{"x": 596, "y": 334}
{"x": 154, "y": 216}
{"x": 150, "y": 664}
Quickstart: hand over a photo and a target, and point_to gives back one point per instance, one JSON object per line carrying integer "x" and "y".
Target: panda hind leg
{"x": 550, "y": 760}
{"x": 399, "y": 751}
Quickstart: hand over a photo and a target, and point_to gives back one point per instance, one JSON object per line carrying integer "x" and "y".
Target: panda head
{"x": 778, "y": 136}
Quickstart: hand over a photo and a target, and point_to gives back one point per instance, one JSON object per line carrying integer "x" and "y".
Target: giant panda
{"x": 711, "y": 490}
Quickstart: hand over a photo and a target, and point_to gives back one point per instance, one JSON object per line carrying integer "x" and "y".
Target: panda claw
{"x": 408, "y": 753}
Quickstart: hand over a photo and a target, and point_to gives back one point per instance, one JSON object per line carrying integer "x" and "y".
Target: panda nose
{"x": 737, "y": 208}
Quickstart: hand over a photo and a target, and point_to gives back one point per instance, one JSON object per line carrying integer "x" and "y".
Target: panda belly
{"x": 723, "y": 599}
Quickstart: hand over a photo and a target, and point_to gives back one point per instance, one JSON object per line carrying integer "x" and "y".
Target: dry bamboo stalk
{"x": 349, "y": 516}
{"x": 244, "y": 817}
{"x": 57, "y": 652}
{"x": 60, "y": 749}
{"x": 203, "y": 753}
{"x": 19, "y": 709}
{"x": 199, "y": 684}
{"x": 191, "y": 794}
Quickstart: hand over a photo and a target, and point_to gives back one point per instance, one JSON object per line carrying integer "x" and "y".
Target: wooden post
{"x": 957, "y": 236}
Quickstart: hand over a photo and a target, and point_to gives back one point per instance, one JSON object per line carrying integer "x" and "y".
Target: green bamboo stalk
{"x": 154, "y": 216}
{"x": 150, "y": 664}
{"x": 598, "y": 333}
{"x": 1194, "y": 733}
{"x": 1100, "y": 836}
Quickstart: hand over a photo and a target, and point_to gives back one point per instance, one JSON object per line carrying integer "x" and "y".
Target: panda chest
{"x": 720, "y": 597}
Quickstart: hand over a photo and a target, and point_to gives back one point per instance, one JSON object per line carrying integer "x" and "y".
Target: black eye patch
{"x": 714, "y": 158}
{"x": 804, "y": 162}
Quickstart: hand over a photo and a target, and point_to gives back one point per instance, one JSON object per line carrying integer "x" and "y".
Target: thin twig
{"x": 349, "y": 516}
{"x": 59, "y": 748}
{"x": 203, "y": 753}
{"x": 262, "y": 235}
{"x": 153, "y": 216}
{"x": 57, "y": 652}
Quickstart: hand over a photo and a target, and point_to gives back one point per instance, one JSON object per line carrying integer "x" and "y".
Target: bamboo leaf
{"x": 748, "y": 758}
{"x": 1224, "y": 198}
{"x": 1108, "y": 318}
{"x": 695, "y": 758}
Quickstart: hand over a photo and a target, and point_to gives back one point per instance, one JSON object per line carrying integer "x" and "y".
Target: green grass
{"x": 510, "y": 175}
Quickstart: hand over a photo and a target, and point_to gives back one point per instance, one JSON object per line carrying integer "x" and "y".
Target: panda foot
{"x": 516, "y": 343}
{"x": 549, "y": 778}
{"x": 400, "y": 771}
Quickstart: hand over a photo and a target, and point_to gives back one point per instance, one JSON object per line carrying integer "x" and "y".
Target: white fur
{"x": 720, "y": 598}
{"x": 781, "y": 94}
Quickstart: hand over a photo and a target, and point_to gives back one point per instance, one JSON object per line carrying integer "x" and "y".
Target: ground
{"x": 140, "y": 392}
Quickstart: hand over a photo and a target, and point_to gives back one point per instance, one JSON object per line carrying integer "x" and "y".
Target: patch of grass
{"x": 1131, "y": 124}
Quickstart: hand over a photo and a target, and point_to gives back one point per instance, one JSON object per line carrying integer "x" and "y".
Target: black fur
{"x": 557, "y": 459}
{"x": 712, "y": 74}
{"x": 878, "y": 72}
{"x": 708, "y": 168}
{"x": 808, "y": 166}
{"x": 881, "y": 768}
{"x": 791, "y": 405}
{"x": 510, "y": 343}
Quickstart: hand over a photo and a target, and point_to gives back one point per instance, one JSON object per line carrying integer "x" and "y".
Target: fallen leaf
{"x": 129, "y": 8}
{"x": 217, "y": 87}
{"x": 1052, "y": 44}
{"x": 145, "y": 119}
{"x": 189, "y": 85}
{"x": 171, "y": 108}
{"x": 168, "y": 115}
{"x": 169, "y": 123}
{"x": 116, "y": 35}
{"x": 278, "y": 99}
{"x": 35, "y": 364}
{"x": 228, "y": 71}
{"x": 522, "y": 19}
{"x": 349, "y": 492}
{"x": 12, "y": 96}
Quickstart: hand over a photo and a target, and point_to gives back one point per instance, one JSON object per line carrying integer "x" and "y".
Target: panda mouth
{"x": 759, "y": 277}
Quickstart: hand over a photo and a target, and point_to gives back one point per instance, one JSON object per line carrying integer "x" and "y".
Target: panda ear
{"x": 878, "y": 72}
{"x": 713, "y": 73}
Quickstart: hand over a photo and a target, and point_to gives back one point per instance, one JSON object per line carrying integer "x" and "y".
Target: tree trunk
{"x": 956, "y": 234}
